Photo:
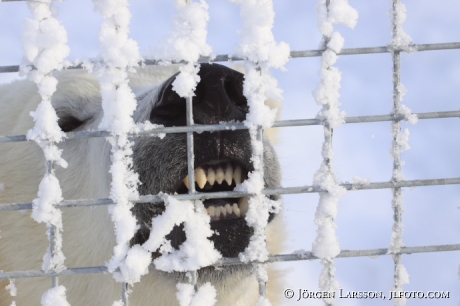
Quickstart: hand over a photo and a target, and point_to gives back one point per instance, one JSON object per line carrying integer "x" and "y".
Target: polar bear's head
{"x": 222, "y": 159}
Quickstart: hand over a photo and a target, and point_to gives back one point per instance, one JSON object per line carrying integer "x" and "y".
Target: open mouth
{"x": 227, "y": 215}
{"x": 216, "y": 176}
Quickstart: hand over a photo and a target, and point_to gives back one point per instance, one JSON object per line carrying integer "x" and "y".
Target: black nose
{"x": 218, "y": 97}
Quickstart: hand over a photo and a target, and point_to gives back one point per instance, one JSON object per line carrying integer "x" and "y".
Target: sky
{"x": 364, "y": 220}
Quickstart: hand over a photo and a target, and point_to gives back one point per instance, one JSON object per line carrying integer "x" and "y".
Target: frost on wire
{"x": 326, "y": 94}
{"x": 206, "y": 295}
{"x": 12, "y": 290}
{"x": 55, "y": 297}
{"x": 118, "y": 55}
{"x": 258, "y": 47}
{"x": 44, "y": 43}
{"x": 197, "y": 251}
{"x": 400, "y": 41}
{"x": 260, "y": 51}
{"x": 186, "y": 42}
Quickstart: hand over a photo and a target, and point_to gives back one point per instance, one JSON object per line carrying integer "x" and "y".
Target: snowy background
{"x": 364, "y": 221}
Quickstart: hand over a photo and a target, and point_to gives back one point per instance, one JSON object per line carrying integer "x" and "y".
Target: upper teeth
{"x": 218, "y": 172}
{"x": 219, "y": 175}
{"x": 211, "y": 176}
{"x": 200, "y": 177}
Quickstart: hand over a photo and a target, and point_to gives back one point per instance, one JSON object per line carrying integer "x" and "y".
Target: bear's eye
{"x": 69, "y": 123}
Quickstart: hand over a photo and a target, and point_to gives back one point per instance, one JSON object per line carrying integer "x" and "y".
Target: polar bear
{"x": 88, "y": 237}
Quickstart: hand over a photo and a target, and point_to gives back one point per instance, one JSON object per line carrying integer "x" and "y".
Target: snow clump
{"x": 44, "y": 43}
{"x": 197, "y": 251}
{"x": 55, "y": 297}
{"x": 119, "y": 55}
{"x": 260, "y": 50}
{"x": 11, "y": 287}
{"x": 400, "y": 40}
{"x": 206, "y": 295}
{"x": 186, "y": 42}
{"x": 257, "y": 46}
{"x": 326, "y": 94}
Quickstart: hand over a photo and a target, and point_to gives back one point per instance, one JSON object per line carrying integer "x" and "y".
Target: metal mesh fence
{"x": 192, "y": 128}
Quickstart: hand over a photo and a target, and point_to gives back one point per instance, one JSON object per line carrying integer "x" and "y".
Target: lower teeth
{"x": 229, "y": 211}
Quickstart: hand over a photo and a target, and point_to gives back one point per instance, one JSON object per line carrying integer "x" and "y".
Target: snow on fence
{"x": 257, "y": 62}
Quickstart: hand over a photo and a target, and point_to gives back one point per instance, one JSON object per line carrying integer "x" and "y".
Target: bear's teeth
{"x": 223, "y": 211}
{"x": 200, "y": 177}
{"x": 243, "y": 205}
{"x": 211, "y": 176}
{"x": 228, "y": 174}
{"x": 217, "y": 213}
{"x": 236, "y": 210}
{"x": 222, "y": 173}
{"x": 229, "y": 208}
{"x": 210, "y": 210}
{"x": 186, "y": 181}
{"x": 219, "y": 175}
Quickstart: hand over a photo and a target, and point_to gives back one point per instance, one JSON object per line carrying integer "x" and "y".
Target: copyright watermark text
{"x": 304, "y": 294}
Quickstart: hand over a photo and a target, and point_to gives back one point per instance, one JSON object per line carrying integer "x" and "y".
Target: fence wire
{"x": 191, "y": 128}
{"x": 293, "y": 54}
{"x": 298, "y": 256}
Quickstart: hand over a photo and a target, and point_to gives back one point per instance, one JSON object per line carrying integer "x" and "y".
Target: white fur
{"x": 88, "y": 233}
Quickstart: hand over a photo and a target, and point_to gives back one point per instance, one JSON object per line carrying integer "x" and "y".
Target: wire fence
{"x": 192, "y": 128}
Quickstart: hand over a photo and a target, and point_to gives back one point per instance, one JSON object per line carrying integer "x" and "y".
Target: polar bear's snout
{"x": 222, "y": 159}
{"x": 218, "y": 97}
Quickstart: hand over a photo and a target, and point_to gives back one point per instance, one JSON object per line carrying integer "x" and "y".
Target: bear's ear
{"x": 273, "y": 104}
